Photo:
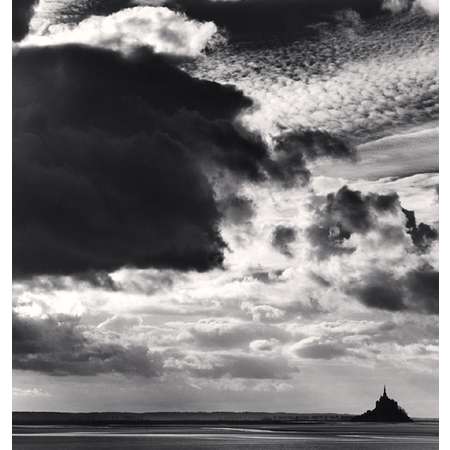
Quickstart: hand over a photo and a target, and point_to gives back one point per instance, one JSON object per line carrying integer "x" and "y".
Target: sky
{"x": 225, "y": 205}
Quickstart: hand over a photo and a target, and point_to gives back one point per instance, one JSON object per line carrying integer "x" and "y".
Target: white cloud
{"x": 263, "y": 313}
{"x": 430, "y": 6}
{"x": 360, "y": 84}
{"x": 158, "y": 28}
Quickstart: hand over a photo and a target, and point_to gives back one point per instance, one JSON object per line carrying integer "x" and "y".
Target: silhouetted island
{"x": 386, "y": 410}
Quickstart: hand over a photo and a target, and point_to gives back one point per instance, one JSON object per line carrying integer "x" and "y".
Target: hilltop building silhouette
{"x": 386, "y": 410}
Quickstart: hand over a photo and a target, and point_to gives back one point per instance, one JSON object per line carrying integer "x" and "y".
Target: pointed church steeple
{"x": 384, "y": 391}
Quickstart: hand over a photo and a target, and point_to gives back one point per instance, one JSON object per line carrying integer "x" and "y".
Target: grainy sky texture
{"x": 225, "y": 205}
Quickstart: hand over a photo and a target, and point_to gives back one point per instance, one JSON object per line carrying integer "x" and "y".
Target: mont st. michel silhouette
{"x": 386, "y": 410}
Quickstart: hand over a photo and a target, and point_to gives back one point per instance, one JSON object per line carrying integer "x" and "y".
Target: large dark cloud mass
{"x": 22, "y": 12}
{"x": 254, "y": 17}
{"x": 260, "y": 17}
{"x": 112, "y": 156}
{"x": 56, "y": 346}
{"x": 108, "y": 161}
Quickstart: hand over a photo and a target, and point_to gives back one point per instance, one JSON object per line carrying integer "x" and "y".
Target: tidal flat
{"x": 316, "y": 436}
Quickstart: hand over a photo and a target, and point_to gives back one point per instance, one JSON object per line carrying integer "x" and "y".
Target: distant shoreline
{"x": 24, "y": 418}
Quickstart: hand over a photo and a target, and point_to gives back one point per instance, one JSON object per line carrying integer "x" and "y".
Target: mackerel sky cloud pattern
{"x": 358, "y": 80}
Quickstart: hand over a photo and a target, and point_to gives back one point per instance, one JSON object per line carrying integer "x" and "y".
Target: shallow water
{"x": 417, "y": 436}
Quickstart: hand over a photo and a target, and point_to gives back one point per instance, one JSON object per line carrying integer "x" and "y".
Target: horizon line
{"x": 202, "y": 412}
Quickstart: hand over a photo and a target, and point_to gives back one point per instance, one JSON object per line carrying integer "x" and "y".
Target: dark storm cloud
{"x": 282, "y": 237}
{"x": 130, "y": 207}
{"x": 107, "y": 162}
{"x": 260, "y": 17}
{"x": 417, "y": 290}
{"x": 22, "y": 12}
{"x": 56, "y": 346}
{"x": 346, "y": 212}
{"x": 112, "y": 156}
{"x": 255, "y": 17}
